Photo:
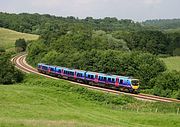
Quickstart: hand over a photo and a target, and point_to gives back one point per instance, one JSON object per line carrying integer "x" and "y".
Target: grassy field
{"x": 8, "y": 37}
{"x": 45, "y": 103}
{"x": 177, "y": 30}
{"x": 172, "y": 63}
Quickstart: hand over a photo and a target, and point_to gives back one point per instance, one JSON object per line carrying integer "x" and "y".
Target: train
{"x": 122, "y": 83}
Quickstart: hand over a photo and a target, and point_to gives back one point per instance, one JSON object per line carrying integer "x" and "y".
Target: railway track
{"x": 21, "y": 64}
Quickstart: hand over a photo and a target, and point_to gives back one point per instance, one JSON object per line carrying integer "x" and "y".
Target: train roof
{"x": 82, "y": 71}
{"x": 108, "y": 75}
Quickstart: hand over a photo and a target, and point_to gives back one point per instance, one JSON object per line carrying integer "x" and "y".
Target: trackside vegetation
{"x": 46, "y": 102}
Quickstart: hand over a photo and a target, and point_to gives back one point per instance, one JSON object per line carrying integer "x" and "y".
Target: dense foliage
{"x": 154, "y": 42}
{"x": 8, "y": 73}
{"x": 167, "y": 84}
{"x": 163, "y": 23}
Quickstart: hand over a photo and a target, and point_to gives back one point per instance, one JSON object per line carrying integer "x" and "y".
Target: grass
{"x": 46, "y": 102}
{"x": 172, "y": 63}
{"x": 8, "y": 37}
{"x": 176, "y": 30}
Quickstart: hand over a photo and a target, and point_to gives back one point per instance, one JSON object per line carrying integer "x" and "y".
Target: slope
{"x": 8, "y": 37}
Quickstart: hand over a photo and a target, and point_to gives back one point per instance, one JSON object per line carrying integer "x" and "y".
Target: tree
{"x": 8, "y": 73}
{"x": 20, "y": 45}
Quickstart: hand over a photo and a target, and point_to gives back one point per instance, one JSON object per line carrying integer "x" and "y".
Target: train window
{"x": 89, "y": 76}
{"x": 59, "y": 71}
{"x": 52, "y": 69}
{"x": 105, "y": 78}
{"x": 71, "y": 73}
{"x": 79, "y": 75}
{"x": 92, "y": 76}
{"x": 109, "y": 79}
{"x": 44, "y": 68}
{"x": 100, "y": 78}
{"x": 65, "y": 72}
{"x": 121, "y": 81}
{"x": 113, "y": 80}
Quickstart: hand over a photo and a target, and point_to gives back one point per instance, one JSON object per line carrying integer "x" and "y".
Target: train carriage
{"x": 93, "y": 78}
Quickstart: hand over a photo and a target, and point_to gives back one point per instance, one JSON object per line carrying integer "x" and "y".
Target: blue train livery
{"x": 92, "y": 78}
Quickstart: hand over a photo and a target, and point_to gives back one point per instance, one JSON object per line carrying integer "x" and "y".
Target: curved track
{"x": 21, "y": 64}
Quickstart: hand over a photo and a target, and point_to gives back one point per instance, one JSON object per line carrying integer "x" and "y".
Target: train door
{"x": 96, "y": 78}
{"x": 117, "y": 82}
{"x": 75, "y": 75}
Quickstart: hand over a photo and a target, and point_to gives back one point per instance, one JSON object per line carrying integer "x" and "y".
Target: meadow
{"x": 172, "y": 63}
{"x": 8, "y": 37}
{"x": 46, "y": 102}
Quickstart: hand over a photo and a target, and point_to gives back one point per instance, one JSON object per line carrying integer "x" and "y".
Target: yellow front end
{"x": 135, "y": 87}
{"x": 135, "y": 84}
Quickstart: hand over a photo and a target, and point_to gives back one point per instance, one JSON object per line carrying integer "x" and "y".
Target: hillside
{"x": 8, "y": 37}
{"x": 47, "y": 102}
{"x": 172, "y": 63}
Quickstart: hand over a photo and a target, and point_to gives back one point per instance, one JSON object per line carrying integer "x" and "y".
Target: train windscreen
{"x": 135, "y": 82}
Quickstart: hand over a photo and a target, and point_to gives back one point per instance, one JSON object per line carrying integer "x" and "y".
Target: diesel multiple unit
{"x": 92, "y": 78}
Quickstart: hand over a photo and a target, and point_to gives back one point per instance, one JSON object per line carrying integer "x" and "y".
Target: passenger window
{"x": 121, "y": 81}
{"x": 92, "y": 76}
{"x": 104, "y": 78}
{"x": 52, "y": 69}
{"x": 109, "y": 79}
{"x": 89, "y": 76}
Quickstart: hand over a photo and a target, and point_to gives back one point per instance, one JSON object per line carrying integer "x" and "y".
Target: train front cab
{"x": 135, "y": 85}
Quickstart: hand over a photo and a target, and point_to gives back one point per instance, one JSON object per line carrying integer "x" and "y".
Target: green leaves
{"x": 166, "y": 84}
{"x": 20, "y": 45}
{"x": 8, "y": 73}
